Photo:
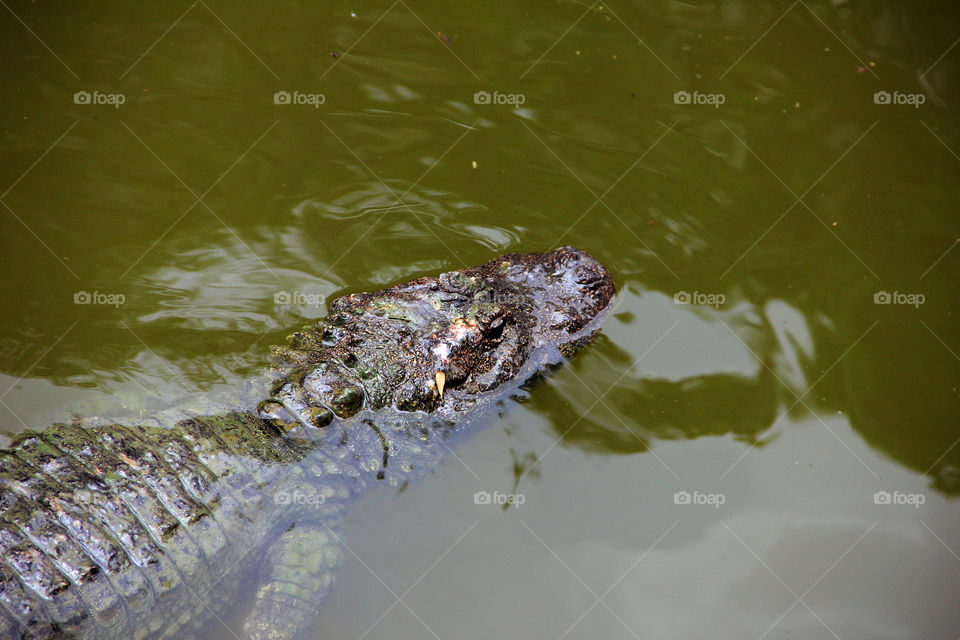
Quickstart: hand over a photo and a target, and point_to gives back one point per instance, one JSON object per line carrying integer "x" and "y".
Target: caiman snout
{"x": 569, "y": 288}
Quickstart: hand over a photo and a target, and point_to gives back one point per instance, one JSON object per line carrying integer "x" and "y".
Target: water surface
{"x": 776, "y": 458}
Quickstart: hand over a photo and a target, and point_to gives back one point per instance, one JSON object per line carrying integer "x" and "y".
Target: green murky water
{"x": 777, "y": 458}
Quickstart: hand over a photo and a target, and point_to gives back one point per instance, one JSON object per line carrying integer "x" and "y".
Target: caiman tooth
{"x": 441, "y": 379}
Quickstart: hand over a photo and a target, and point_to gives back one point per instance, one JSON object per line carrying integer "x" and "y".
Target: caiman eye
{"x": 495, "y": 332}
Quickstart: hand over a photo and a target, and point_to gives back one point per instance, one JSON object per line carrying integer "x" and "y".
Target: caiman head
{"x": 437, "y": 343}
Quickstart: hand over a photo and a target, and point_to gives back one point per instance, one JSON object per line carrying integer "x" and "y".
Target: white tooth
{"x": 441, "y": 378}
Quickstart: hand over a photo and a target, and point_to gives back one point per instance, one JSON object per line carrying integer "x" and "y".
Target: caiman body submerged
{"x": 113, "y": 532}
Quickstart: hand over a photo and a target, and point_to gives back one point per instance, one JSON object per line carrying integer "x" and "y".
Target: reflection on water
{"x": 762, "y": 364}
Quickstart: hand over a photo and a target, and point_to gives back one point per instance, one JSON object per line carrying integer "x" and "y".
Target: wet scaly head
{"x": 439, "y": 340}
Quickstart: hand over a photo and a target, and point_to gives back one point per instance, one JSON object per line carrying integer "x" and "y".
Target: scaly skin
{"x": 139, "y": 532}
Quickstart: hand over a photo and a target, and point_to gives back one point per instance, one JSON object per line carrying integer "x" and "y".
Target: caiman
{"x": 119, "y": 531}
